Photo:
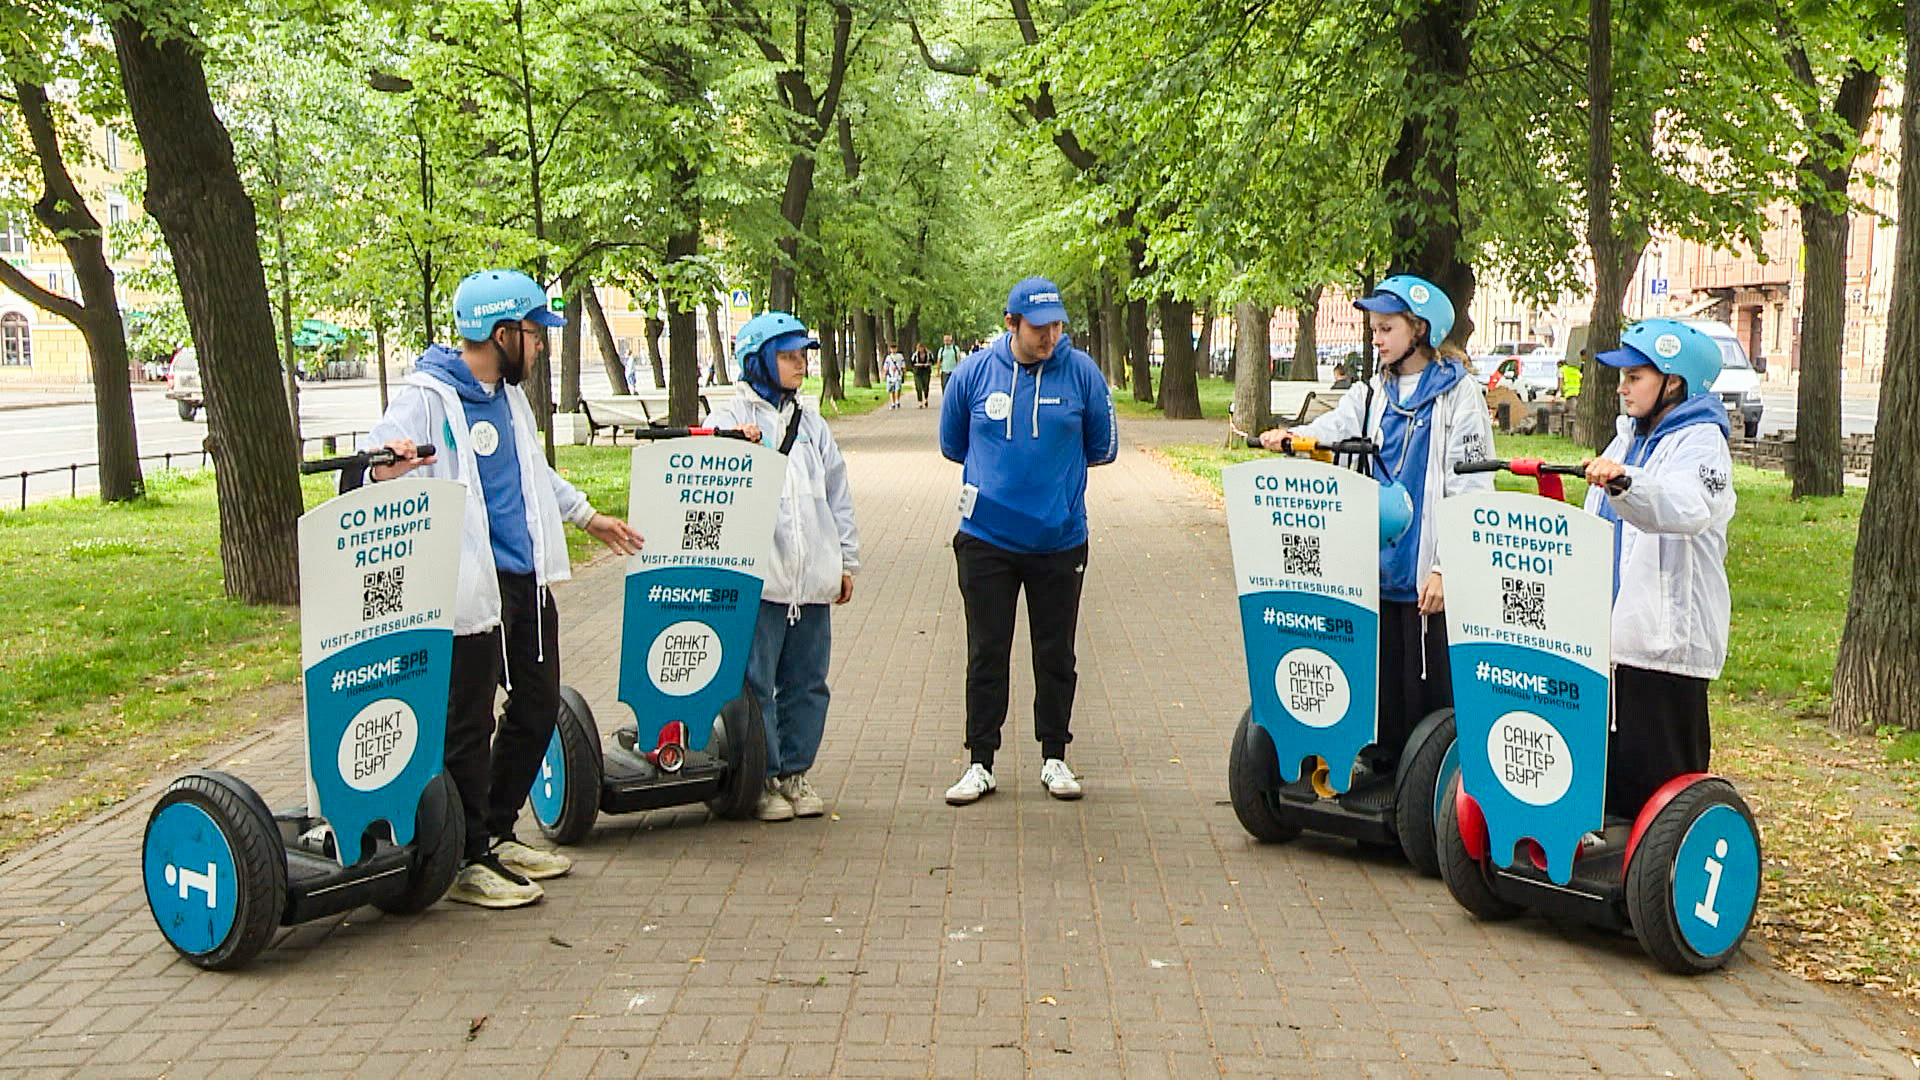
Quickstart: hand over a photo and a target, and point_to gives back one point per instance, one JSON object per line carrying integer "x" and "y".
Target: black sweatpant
{"x": 1660, "y": 731}
{"x": 496, "y": 770}
{"x": 991, "y": 578}
{"x": 1415, "y": 678}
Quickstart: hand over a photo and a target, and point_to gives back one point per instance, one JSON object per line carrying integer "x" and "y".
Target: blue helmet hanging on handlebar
{"x": 1673, "y": 348}
{"x": 1409, "y": 294}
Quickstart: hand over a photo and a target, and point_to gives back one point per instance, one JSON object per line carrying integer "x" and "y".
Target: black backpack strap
{"x": 793, "y": 430}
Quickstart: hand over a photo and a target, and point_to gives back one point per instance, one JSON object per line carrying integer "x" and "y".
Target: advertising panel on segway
{"x": 1526, "y": 824}
{"x": 382, "y": 823}
{"x": 1306, "y": 538}
{"x": 708, "y": 506}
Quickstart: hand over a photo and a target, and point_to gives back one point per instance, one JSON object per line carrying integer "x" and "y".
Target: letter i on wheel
{"x": 382, "y": 823}
{"x": 1524, "y": 826}
{"x": 1306, "y": 541}
{"x": 707, "y": 507}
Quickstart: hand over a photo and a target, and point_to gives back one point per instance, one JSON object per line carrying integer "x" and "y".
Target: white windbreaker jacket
{"x": 816, "y": 539}
{"x": 1673, "y": 606}
{"x": 1461, "y": 432}
{"x": 428, "y": 411}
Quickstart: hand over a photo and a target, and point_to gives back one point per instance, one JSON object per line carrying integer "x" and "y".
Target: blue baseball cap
{"x": 1385, "y": 303}
{"x": 798, "y": 339}
{"x": 1037, "y": 300}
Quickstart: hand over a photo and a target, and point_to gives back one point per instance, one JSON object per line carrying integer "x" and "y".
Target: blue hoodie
{"x": 1698, "y": 409}
{"x": 1026, "y": 437}
{"x": 1406, "y": 434}
{"x": 497, "y": 454}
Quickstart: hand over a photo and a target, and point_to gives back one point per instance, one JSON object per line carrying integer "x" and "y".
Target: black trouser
{"x": 496, "y": 771}
{"x": 991, "y": 578}
{"x": 1415, "y": 678}
{"x": 921, "y": 377}
{"x": 1660, "y": 731}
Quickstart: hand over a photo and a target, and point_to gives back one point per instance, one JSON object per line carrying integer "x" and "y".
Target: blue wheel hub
{"x": 1716, "y": 880}
{"x": 192, "y": 886}
{"x": 549, "y": 795}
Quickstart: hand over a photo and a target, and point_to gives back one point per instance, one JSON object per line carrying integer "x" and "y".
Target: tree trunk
{"x": 570, "y": 338}
{"x": 1421, "y": 176}
{"x": 683, "y": 333}
{"x": 863, "y": 344}
{"x": 831, "y": 388}
{"x": 291, "y": 365}
{"x": 1306, "y": 337}
{"x": 195, "y": 195}
{"x": 64, "y": 213}
{"x": 1875, "y": 681}
{"x": 1179, "y": 389}
{"x": 1252, "y": 387}
{"x": 1140, "y": 350}
{"x": 718, "y": 341}
{"x": 603, "y": 336}
{"x": 655, "y": 328}
{"x": 1203, "y": 352}
{"x": 380, "y": 358}
{"x": 1113, "y": 336}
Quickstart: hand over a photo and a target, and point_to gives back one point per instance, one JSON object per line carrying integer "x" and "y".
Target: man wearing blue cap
{"x": 1026, "y": 418}
{"x": 467, "y": 404}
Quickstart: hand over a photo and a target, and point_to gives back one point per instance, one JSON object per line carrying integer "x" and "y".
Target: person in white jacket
{"x": 468, "y": 406}
{"x": 1671, "y": 603}
{"x": 1427, "y": 414}
{"x": 816, "y": 553}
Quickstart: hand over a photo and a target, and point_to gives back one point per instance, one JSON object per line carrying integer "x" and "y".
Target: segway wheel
{"x": 1423, "y": 785}
{"x": 215, "y": 870}
{"x": 566, "y": 793}
{"x": 1694, "y": 883}
{"x": 739, "y": 740}
{"x": 1464, "y": 875}
{"x": 439, "y": 841}
{"x": 1253, "y": 776}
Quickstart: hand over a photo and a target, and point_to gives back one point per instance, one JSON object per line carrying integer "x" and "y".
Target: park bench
{"x": 627, "y": 412}
{"x": 1295, "y": 403}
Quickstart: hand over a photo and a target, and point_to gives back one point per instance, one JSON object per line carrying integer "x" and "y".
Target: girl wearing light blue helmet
{"x": 1671, "y": 603}
{"x": 1426, "y": 414}
{"x": 816, "y": 552}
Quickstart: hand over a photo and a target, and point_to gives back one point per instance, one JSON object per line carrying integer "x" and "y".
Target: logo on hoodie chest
{"x": 486, "y": 438}
{"x": 999, "y": 405}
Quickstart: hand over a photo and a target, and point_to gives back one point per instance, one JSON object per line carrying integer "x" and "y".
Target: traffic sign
{"x": 1657, "y": 286}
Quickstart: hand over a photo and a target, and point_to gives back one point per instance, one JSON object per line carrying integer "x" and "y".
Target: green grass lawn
{"x": 1216, "y": 396}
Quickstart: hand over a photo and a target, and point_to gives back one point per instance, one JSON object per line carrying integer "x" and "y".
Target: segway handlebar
{"x": 651, "y": 433}
{"x": 379, "y": 455}
{"x": 1535, "y": 467}
{"x": 1307, "y": 446}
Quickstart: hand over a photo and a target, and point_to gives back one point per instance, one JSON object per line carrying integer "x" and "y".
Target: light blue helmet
{"x": 1414, "y": 295}
{"x": 1673, "y": 348}
{"x": 755, "y": 343}
{"x": 485, "y": 297}
{"x": 1396, "y": 512}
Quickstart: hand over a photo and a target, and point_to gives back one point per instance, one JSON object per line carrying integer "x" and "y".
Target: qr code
{"x": 380, "y": 593}
{"x": 1523, "y": 602}
{"x": 702, "y": 532}
{"x": 1300, "y": 554}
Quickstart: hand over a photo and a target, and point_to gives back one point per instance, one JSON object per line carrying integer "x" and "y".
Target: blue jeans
{"x": 787, "y": 672}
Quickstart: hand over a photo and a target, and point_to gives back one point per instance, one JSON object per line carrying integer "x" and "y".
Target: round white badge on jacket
{"x": 999, "y": 405}
{"x": 486, "y": 438}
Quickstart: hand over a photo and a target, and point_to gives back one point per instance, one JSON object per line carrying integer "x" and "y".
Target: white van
{"x": 183, "y": 383}
{"x": 1738, "y": 385}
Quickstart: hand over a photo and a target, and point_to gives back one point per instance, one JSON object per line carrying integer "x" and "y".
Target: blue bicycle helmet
{"x": 1406, "y": 293}
{"x": 756, "y": 343}
{"x": 1673, "y": 348}
{"x": 1396, "y": 512}
{"x": 484, "y": 298}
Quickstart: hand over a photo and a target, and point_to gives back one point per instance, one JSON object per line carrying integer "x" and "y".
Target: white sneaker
{"x": 773, "y": 805}
{"x": 1059, "y": 780}
{"x": 975, "y": 782}
{"x": 485, "y": 883}
{"x": 799, "y": 792}
{"x": 532, "y": 863}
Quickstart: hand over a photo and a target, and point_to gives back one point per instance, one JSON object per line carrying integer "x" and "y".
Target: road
{"x": 61, "y": 433}
{"x": 1857, "y": 410}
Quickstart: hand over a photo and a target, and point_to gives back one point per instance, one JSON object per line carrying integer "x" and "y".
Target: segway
{"x": 1306, "y": 540}
{"x": 382, "y": 824}
{"x": 1529, "y": 581}
{"x": 707, "y": 501}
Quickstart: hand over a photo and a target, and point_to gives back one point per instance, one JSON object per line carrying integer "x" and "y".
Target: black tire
{"x": 1466, "y": 876}
{"x": 1650, "y": 878}
{"x": 1753, "y": 429}
{"x": 1253, "y": 776}
{"x": 439, "y": 843}
{"x": 582, "y": 768}
{"x": 740, "y": 741}
{"x": 187, "y": 410}
{"x": 251, "y": 842}
{"x": 1421, "y": 785}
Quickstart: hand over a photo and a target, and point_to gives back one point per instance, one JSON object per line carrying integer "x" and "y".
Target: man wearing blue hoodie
{"x": 1026, "y": 417}
{"x": 467, "y": 404}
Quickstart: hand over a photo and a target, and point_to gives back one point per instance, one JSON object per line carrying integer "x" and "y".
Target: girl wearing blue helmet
{"x": 1427, "y": 414}
{"x": 1671, "y": 603}
{"x": 816, "y": 552}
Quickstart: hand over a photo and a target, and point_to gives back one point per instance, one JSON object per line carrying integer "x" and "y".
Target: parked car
{"x": 183, "y": 383}
{"x": 1530, "y": 375}
{"x": 1737, "y": 385}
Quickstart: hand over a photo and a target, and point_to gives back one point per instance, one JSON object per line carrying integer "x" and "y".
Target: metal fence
{"x": 328, "y": 446}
